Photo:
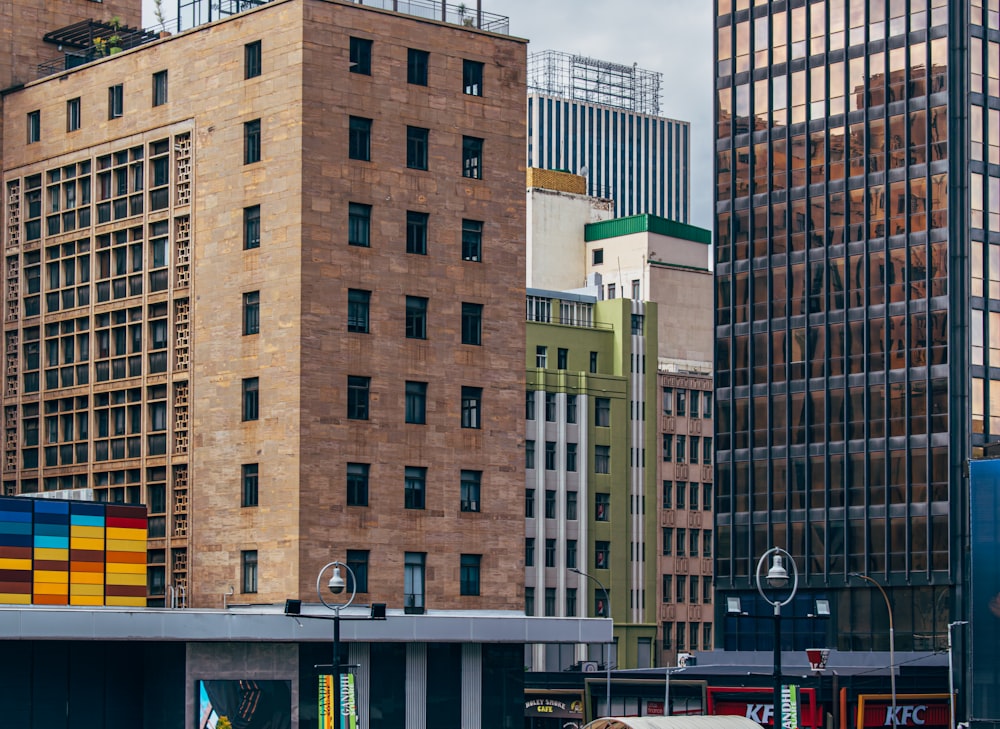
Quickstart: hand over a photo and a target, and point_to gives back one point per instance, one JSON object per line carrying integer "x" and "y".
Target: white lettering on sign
{"x": 760, "y": 713}
{"x": 905, "y": 715}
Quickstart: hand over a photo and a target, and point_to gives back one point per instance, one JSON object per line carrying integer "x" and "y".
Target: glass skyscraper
{"x": 857, "y": 306}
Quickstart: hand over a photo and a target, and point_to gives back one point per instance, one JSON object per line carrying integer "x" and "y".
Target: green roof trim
{"x": 645, "y": 224}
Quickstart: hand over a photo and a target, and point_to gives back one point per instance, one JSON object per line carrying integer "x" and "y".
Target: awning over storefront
{"x": 674, "y": 722}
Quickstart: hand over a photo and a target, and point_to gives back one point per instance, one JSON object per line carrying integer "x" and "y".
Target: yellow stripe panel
{"x": 123, "y": 533}
{"x": 49, "y": 553}
{"x": 90, "y": 532}
{"x": 15, "y": 564}
{"x": 125, "y": 545}
{"x": 116, "y": 578}
{"x": 13, "y": 598}
{"x": 125, "y": 601}
{"x": 87, "y": 578}
{"x": 120, "y": 568}
{"x": 51, "y": 576}
{"x": 95, "y": 545}
{"x": 88, "y": 590}
{"x": 50, "y": 588}
{"x": 87, "y": 599}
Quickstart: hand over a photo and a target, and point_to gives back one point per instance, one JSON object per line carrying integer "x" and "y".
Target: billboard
{"x": 244, "y": 704}
{"x": 348, "y": 703}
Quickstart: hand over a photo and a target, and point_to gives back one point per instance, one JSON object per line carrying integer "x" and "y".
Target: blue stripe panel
{"x": 21, "y": 516}
{"x": 15, "y": 527}
{"x": 14, "y": 504}
{"x": 44, "y": 518}
{"x": 86, "y": 508}
{"x": 51, "y": 507}
{"x": 52, "y": 542}
{"x": 15, "y": 540}
{"x": 81, "y": 520}
{"x": 52, "y": 530}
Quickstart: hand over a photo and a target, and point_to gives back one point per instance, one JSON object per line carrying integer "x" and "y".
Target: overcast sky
{"x": 673, "y": 37}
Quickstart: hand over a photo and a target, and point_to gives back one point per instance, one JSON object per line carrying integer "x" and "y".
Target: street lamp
{"x": 777, "y": 579}
{"x": 951, "y": 673}
{"x": 892, "y": 640}
{"x": 607, "y": 650}
{"x": 336, "y": 586}
{"x": 666, "y": 691}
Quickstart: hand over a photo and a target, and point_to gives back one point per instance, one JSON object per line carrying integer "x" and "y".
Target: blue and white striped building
{"x": 600, "y": 128}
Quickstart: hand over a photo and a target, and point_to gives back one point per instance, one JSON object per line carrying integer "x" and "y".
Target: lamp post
{"x": 951, "y": 673}
{"x": 892, "y": 640}
{"x": 666, "y": 691}
{"x": 336, "y": 585}
{"x": 776, "y": 579}
{"x": 607, "y": 651}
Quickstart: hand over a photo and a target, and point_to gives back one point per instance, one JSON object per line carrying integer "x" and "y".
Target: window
{"x": 529, "y": 600}
{"x": 597, "y": 256}
{"x": 248, "y": 569}
{"x": 681, "y": 491}
{"x": 681, "y": 643}
{"x": 602, "y": 459}
{"x": 570, "y": 554}
{"x": 706, "y": 544}
{"x": 416, "y": 233}
{"x": 357, "y": 397}
{"x": 668, "y": 588}
{"x": 251, "y": 312}
{"x": 251, "y": 398}
{"x": 472, "y": 157}
{"x": 357, "y": 484}
{"x": 602, "y": 412}
{"x": 668, "y": 540}
{"x": 472, "y": 402}
{"x": 415, "y": 488}
{"x": 668, "y": 401}
{"x": 472, "y": 240}
{"x": 251, "y": 60}
{"x": 416, "y": 66}
{"x": 550, "y": 407}
{"x": 694, "y": 451}
{"x": 693, "y": 538}
{"x": 361, "y": 56}
{"x": 668, "y": 494}
{"x": 251, "y": 227}
{"x": 359, "y": 139}
{"x": 571, "y": 457}
{"x": 706, "y": 405}
{"x": 550, "y": 552}
{"x": 416, "y": 147}
{"x": 529, "y": 552}
{"x": 570, "y": 408}
{"x": 529, "y": 503}
{"x": 472, "y": 77}
{"x": 34, "y": 126}
{"x": 251, "y": 142}
{"x": 249, "y": 478}
{"x": 602, "y": 506}
{"x": 638, "y": 321}
{"x": 571, "y": 601}
{"x": 358, "y": 302}
{"x": 593, "y": 362}
{"x": 550, "y": 503}
{"x": 706, "y": 636}
{"x": 416, "y": 402}
{"x": 357, "y": 563}
{"x": 116, "y": 96}
{"x": 706, "y": 452}
{"x": 472, "y": 323}
{"x": 562, "y": 356}
{"x": 668, "y": 630}
{"x": 693, "y": 496}
{"x": 550, "y": 455}
{"x": 359, "y": 223}
{"x": 682, "y": 403}
{"x": 416, "y": 317}
{"x": 694, "y": 404}
{"x": 470, "y": 490}
{"x": 529, "y": 454}
{"x": 635, "y": 289}
{"x": 470, "y": 574}
{"x": 73, "y": 114}
{"x": 550, "y": 602}
{"x": 601, "y": 607}
{"x": 681, "y": 542}
{"x": 602, "y": 554}
{"x": 413, "y": 582}
{"x": 571, "y": 501}
{"x": 529, "y": 405}
{"x": 680, "y": 592}
{"x": 668, "y": 447}
{"x": 611, "y": 291}
{"x": 159, "y": 88}
{"x": 541, "y": 355}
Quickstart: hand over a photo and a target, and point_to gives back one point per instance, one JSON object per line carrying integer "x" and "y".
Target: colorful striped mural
{"x": 55, "y": 552}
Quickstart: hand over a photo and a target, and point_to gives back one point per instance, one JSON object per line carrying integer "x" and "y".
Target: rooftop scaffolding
{"x": 596, "y": 82}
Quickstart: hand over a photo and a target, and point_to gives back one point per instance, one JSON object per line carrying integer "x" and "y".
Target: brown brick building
{"x": 266, "y": 276}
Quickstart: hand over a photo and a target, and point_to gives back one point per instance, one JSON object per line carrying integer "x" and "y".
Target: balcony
{"x": 89, "y": 40}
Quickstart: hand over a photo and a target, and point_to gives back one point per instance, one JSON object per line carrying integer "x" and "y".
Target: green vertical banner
{"x": 326, "y": 702}
{"x": 789, "y": 707}
{"x": 348, "y": 705}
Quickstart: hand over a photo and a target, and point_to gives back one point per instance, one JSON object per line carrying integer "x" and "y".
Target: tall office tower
{"x": 855, "y": 283}
{"x": 602, "y": 120}
{"x": 266, "y": 276}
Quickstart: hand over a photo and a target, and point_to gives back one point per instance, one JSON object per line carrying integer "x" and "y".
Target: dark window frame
{"x": 251, "y": 227}
{"x": 356, "y": 482}
{"x": 34, "y": 126}
{"x": 359, "y": 224}
{"x": 472, "y": 77}
{"x": 251, "y": 313}
{"x": 417, "y": 147}
{"x": 249, "y": 571}
{"x": 472, "y": 407}
{"x": 358, "y": 311}
{"x": 416, "y": 232}
{"x": 416, "y": 402}
{"x": 360, "y": 56}
{"x": 160, "y": 88}
{"x": 251, "y": 399}
{"x": 116, "y": 101}
{"x": 472, "y": 240}
{"x": 251, "y": 141}
{"x": 472, "y": 157}
{"x": 417, "y": 64}
{"x": 416, "y": 317}
{"x": 470, "y": 490}
{"x": 357, "y": 563}
{"x": 250, "y": 484}
{"x": 74, "y": 114}
{"x": 358, "y": 397}
{"x": 252, "y": 60}
{"x": 470, "y": 574}
{"x": 472, "y": 323}
{"x": 415, "y": 487}
{"x": 359, "y": 139}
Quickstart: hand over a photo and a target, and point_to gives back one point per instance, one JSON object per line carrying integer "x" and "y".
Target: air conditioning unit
{"x": 588, "y": 666}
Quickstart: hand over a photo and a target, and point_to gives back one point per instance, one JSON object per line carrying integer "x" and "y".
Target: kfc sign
{"x": 924, "y": 714}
